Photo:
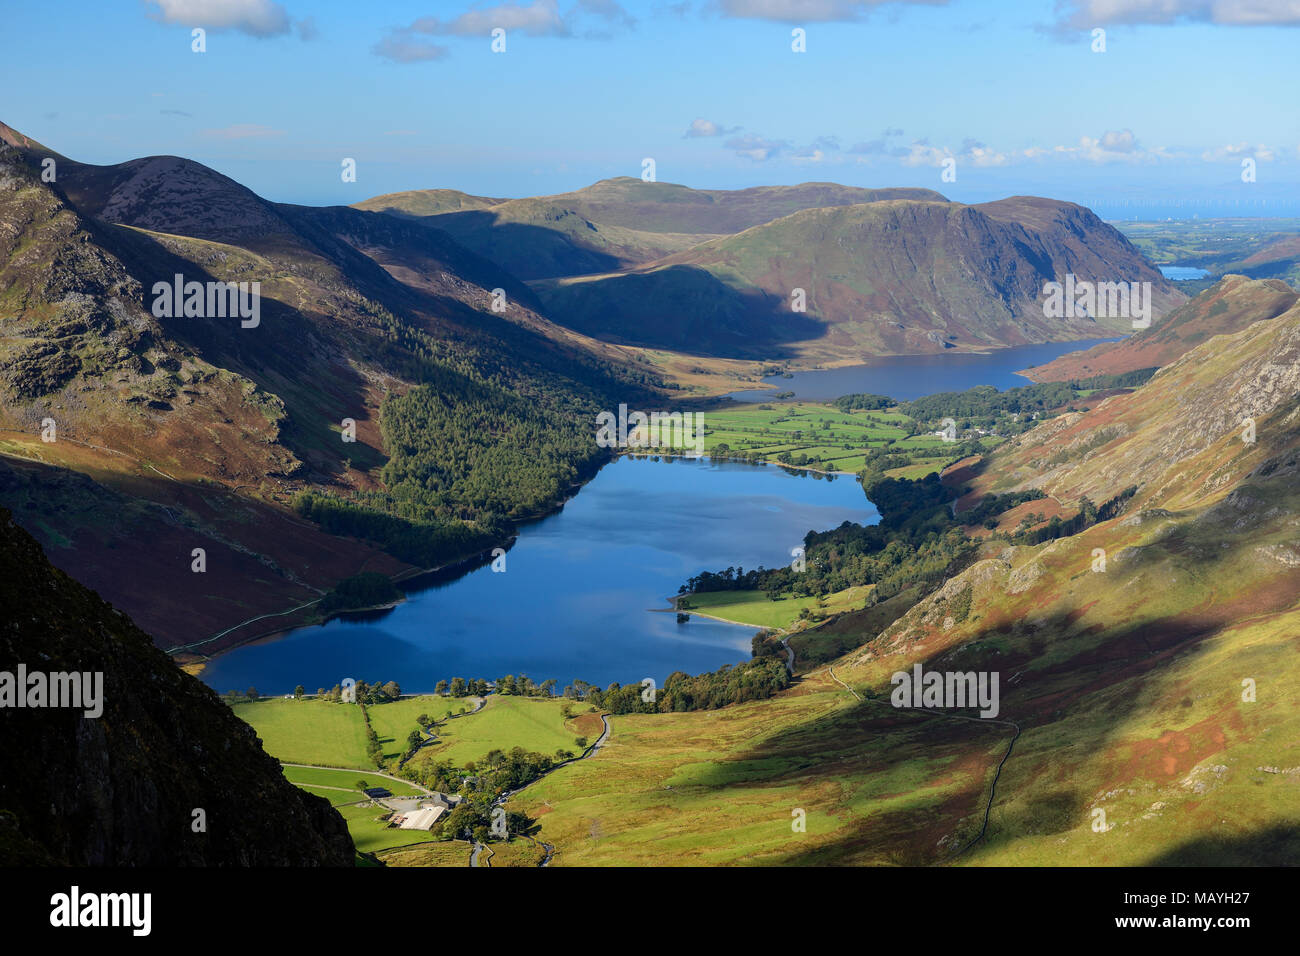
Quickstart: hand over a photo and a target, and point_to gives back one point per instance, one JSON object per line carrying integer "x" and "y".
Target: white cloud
{"x": 1118, "y": 141}
{"x": 756, "y": 147}
{"x": 1113, "y": 146}
{"x": 1236, "y": 151}
{"x": 400, "y": 47}
{"x": 701, "y": 127}
{"x": 259, "y": 18}
{"x": 880, "y": 147}
{"x": 538, "y": 18}
{"x": 1086, "y": 14}
{"x": 972, "y": 152}
{"x": 809, "y": 11}
{"x": 760, "y": 149}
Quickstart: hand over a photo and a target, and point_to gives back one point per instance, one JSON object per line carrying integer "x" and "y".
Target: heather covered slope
{"x": 1232, "y": 304}
{"x": 893, "y": 276}
{"x": 204, "y": 430}
{"x": 612, "y": 224}
{"x": 120, "y": 789}
{"x": 1124, "y": 678}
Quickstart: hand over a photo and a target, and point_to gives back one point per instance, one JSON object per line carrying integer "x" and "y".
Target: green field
{"x": 335, "y": 796}
{"x": 757, "y": 609}
{"x": 347, "y": 779}
{"x": 333, "y": 735}
{"x": 915, "y": 472}
{"x": 394, "y": 721}
{"x": 503, "y": 723}
{"x": 370, "y": 834}
{"x": 828, "y": 438}
{"x": 308, "y": 731}
{"x": 446, "y": 853}
{"x": 822, "y": 438}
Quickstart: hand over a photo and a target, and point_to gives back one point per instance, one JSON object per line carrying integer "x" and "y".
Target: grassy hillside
{"x": 206, "y": 431}
{"x": 888, "y": 277}
{"x": 1126, "y": 684}
{"x": 308, "y": 731}
{"x": 1232, "y": 304}
{"x": 611, "y": 224}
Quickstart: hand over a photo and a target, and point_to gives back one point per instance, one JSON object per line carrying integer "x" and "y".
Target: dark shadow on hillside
{"x": 284, "y": 354}
{"x": 684, "y": 308}
{"x": 1274, "y": 846}
{"x": 826, "y": 746}
{"x": 529, "y": 252}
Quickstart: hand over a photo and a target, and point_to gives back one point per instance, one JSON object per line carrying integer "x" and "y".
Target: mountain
{"x": 1280, "y": 259}
{"x": 205, "y": 432}
{"x": 1229, "y": 306}
{"x": 888, "y": 277}
{"x": 120, "y": 788}
{"x": 1148, "y": 712}
{"x": 612, "y": 224}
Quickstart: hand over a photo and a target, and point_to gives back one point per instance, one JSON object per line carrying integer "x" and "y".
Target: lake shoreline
{"x": 452, "y": 570}
{"x": 896, "y": 375}
{"x": 477, "y": 624}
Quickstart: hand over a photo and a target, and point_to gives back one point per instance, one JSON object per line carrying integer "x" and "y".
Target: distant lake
{"x": 1180, "y": 273}
{"x": 906, "y": 377}
{"x": 577, "y": 597}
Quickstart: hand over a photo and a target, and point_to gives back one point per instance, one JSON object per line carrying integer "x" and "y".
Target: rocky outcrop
{"x": 131, "y": 786}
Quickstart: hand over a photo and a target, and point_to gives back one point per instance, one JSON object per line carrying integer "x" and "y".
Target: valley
{"x": 1096, "y": 532}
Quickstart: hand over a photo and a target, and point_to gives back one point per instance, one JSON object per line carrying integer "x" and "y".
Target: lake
{"x": 1181, "y": 273}
{"x": 905, "y": 377}
{"x": 578, "y": 594}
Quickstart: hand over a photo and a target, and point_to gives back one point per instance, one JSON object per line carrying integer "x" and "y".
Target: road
{"x": 372, "y": 772}
{"x": 506, "y": 795}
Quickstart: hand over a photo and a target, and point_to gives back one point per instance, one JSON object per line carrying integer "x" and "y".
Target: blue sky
{"x": 1010, "y": 89}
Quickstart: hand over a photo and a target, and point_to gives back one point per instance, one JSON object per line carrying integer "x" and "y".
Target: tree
{"x": 458, "y": 687}
{"x": 441, "y": 688}
{"x": 517, "y": 821}
{"x": 581, "y": 742}
{"x": 299, "y": 691}
{"x": 391, "y": 690}
{"x": 251, "y": 693}
{"x": 423, "y": 720}
{"x": 413, "y": 740}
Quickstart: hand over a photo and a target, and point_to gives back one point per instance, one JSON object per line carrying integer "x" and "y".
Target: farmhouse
{"x": 375, "y": 793}
{"x": 422, "y": 819}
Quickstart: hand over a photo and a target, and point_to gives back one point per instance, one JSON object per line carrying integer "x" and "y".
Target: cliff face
{"x": 121, "y": 789}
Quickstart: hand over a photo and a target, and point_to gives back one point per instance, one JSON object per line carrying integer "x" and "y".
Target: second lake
{"x": 905, "y": 377}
